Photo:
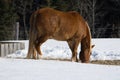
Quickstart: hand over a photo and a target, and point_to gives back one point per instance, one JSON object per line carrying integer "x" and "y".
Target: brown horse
{"x": 47, "y": 23}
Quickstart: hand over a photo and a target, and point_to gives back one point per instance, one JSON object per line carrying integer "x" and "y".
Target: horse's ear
{"x": 93, "y": 46}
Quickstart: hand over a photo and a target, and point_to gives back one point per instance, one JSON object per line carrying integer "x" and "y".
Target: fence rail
{"x": 10, "y": 47}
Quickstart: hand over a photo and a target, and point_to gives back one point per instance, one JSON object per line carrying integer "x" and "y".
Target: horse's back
{"x": 57, "y": 24}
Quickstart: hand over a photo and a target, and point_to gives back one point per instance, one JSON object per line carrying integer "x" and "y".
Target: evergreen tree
{"x": 7, "y": 20}
{"x": 103, "y": 16}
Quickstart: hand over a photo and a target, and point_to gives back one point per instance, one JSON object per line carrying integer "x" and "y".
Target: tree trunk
{"x": 93, "y": 14}
{"x": 24, "y": 20}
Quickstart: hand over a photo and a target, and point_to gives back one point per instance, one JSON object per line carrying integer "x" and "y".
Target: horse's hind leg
{"x": 73, "y": 44}
{"x": 31, "y": 51}
{"x": 38, "y": 43}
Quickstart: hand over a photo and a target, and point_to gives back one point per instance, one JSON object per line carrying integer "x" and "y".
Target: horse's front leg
{"x": 73, "y": 44}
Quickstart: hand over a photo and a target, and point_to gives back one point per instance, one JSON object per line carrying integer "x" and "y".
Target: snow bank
{"x": 105, "y": 49}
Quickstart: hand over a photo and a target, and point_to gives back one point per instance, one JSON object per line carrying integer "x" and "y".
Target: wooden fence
{"x": 10, "y": 47}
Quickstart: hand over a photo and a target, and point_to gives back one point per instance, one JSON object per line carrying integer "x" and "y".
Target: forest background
{"x": 103, "y": 16}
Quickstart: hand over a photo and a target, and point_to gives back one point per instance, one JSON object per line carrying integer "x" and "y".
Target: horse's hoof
{"x": 85, "y": 61}
{"x": 74, "y": 60}
{"x": 27, "y": 57}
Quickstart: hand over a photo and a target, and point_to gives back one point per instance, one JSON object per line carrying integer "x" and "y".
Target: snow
{"x": 14, "y": 68}
{"x": 24, "y": 69}
{"x": 105, "y": 49}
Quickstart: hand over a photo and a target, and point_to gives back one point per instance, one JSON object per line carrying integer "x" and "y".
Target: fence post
{"x": 1, "y": 50}
{"x": 17, "y": 31}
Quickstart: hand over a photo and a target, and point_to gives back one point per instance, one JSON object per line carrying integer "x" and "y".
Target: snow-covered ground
{"x": 23, "y": 69}
{"x": 29, "y": 69}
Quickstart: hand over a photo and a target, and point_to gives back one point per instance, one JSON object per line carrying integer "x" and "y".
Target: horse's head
{"x": 92, "y": 46}
{"x": 85, "y": 57}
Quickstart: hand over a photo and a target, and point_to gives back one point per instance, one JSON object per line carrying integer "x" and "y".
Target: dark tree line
{"x": 7, "y": 20}
{"x": 103, "y": 16}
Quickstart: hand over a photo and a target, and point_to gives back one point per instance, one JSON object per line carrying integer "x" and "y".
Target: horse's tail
{"x": 86, "y": 45}
{"x": 32, "y": 36}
